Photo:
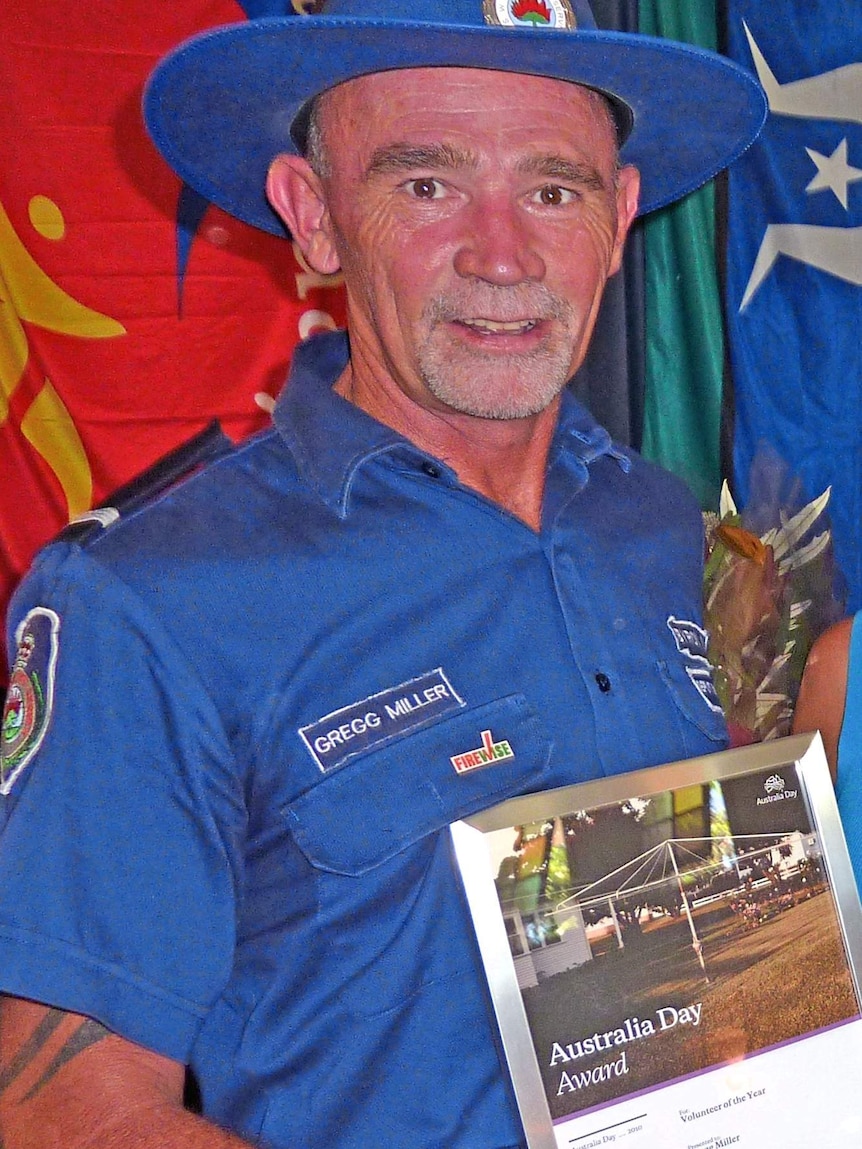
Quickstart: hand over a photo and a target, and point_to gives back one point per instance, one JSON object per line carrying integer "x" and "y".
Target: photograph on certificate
{"x": 655, "y": 937}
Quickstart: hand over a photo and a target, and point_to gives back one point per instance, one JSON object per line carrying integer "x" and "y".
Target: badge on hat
{"x": 529, "y": 13}
{"x": 30, "y": 697}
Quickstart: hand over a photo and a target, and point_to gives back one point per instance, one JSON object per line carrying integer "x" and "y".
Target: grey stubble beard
{"x": 541, "y": 373}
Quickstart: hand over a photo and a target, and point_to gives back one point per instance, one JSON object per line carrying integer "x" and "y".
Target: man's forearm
{"x": 66, "y": 1082}
{"x": 159, "y": 1128}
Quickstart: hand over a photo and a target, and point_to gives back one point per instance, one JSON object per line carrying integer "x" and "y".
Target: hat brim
{"x": 221, "y": 106}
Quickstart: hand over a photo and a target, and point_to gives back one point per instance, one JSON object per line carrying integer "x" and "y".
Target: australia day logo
{"x": 776, "y": 790}
{"x": 30, "y": 696}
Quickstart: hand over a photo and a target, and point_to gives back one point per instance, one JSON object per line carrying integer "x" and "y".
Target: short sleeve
{"x": 123, "y": 817}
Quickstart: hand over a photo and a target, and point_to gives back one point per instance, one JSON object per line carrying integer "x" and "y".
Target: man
{"x": 242, "y": 720}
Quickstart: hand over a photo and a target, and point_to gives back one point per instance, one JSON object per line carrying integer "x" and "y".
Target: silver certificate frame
{"x": 783, "y": 784}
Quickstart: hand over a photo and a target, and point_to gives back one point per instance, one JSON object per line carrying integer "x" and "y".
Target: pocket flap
{"x": 384, "y": 801}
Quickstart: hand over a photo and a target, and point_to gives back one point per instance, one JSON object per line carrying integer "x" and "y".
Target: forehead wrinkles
{"x": 342, "y": 112}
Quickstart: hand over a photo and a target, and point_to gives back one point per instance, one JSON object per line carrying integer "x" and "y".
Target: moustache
{"x": 500, "y": 303}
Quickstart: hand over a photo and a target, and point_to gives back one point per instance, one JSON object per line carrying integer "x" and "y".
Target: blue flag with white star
{"x": 795, "y": 257}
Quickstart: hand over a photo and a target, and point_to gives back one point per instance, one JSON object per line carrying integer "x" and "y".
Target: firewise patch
{"x": 485, "y": 755}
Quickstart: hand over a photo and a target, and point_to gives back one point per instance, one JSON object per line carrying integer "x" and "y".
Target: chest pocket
{"x": 392, "y": 798}
{"x": 697, "y": 707}
{"x": 387, "y": 893}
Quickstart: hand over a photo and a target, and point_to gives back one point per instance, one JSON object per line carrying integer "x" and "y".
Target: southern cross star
{"x": 833, "y": 172}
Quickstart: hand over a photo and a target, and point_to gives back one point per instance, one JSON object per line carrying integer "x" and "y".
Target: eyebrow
{"x": 410, "y": 157}
{"x": 566, "y": 171}
{"x": 403, "y": 157}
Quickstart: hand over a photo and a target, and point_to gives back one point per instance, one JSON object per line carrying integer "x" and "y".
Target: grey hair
{"x": 314, "y": 149}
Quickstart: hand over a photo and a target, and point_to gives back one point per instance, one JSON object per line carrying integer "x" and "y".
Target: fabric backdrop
{"x": 795, "y": 257}
{"x": 684, "y": 331}
{"x": 130, "y": 314}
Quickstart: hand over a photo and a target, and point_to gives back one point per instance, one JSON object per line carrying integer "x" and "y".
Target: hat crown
{"x": 228, "y": 100}
{"x": 464, "y": 13}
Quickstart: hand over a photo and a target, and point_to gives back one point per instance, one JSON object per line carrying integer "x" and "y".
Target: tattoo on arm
{"x": 86, "y": 1034}
{"x": 30, "y": 1048}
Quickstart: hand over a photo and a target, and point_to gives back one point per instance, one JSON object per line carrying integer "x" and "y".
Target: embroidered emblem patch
{"x": 484, "y": 755}
{"x": 529, "y": 13}
{"x": 353, "y": 729}
{"x": 691, "y": 641}
{"x": 30, "y": 697}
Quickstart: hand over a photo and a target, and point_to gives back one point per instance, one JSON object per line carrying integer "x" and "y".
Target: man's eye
{"x": 552, "y": 195}
{"x": 425, "y": 188}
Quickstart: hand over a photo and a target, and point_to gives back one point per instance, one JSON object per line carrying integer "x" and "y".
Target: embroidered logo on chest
{"x": 691, "y": 642}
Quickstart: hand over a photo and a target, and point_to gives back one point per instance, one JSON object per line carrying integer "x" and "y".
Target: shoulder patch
{"x": 30, "y": 697}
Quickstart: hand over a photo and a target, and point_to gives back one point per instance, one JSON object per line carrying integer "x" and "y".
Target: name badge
{"x": 363, "y": 725}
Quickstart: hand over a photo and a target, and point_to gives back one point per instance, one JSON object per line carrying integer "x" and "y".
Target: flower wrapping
{"x": 770, "y": 588}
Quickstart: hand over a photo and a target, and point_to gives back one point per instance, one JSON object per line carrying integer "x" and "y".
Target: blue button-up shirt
{"x": 264, "y": 698}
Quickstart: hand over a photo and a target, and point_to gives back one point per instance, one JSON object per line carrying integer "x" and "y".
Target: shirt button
{"x": 430, "y": 470}
{"x": 603, "y": 682}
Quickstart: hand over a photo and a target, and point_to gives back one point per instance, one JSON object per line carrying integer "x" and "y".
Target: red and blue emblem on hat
{"x": 533, "y": 13}
{"x": 30, "y": 697}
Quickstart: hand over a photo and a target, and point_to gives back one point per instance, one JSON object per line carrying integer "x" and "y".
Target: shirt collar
{"x": 331, "y": 439}
{"x": 579, "y": 435}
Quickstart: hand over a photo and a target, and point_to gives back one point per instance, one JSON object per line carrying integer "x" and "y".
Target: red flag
{"x": 121, "y": 334}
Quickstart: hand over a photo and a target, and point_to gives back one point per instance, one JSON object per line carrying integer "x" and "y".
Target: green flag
{"x": 684, "y": 331}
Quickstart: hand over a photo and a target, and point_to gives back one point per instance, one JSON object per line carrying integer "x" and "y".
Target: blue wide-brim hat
{"x": 223, "y": 104}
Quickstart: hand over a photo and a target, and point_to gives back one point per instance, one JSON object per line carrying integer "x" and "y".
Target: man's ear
{"x": 628, "y": 194}
{"x": 296, "y": 194}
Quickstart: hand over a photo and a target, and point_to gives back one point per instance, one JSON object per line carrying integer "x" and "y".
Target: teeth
{"x": 493, "y": 327}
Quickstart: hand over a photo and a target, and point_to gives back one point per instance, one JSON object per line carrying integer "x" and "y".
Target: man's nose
{"x": 499, "y": 244}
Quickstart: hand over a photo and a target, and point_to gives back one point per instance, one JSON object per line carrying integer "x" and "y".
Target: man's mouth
{"x": 497, "y": 327}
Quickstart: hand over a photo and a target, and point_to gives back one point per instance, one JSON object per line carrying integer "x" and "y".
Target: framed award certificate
{"x": 671, "y": 954}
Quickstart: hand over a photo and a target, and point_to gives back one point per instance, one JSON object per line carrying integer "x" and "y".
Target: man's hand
{"x": 66, "y": 1082}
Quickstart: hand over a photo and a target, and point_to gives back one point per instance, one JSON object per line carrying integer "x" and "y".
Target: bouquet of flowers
{"x": 770, "y": 588}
